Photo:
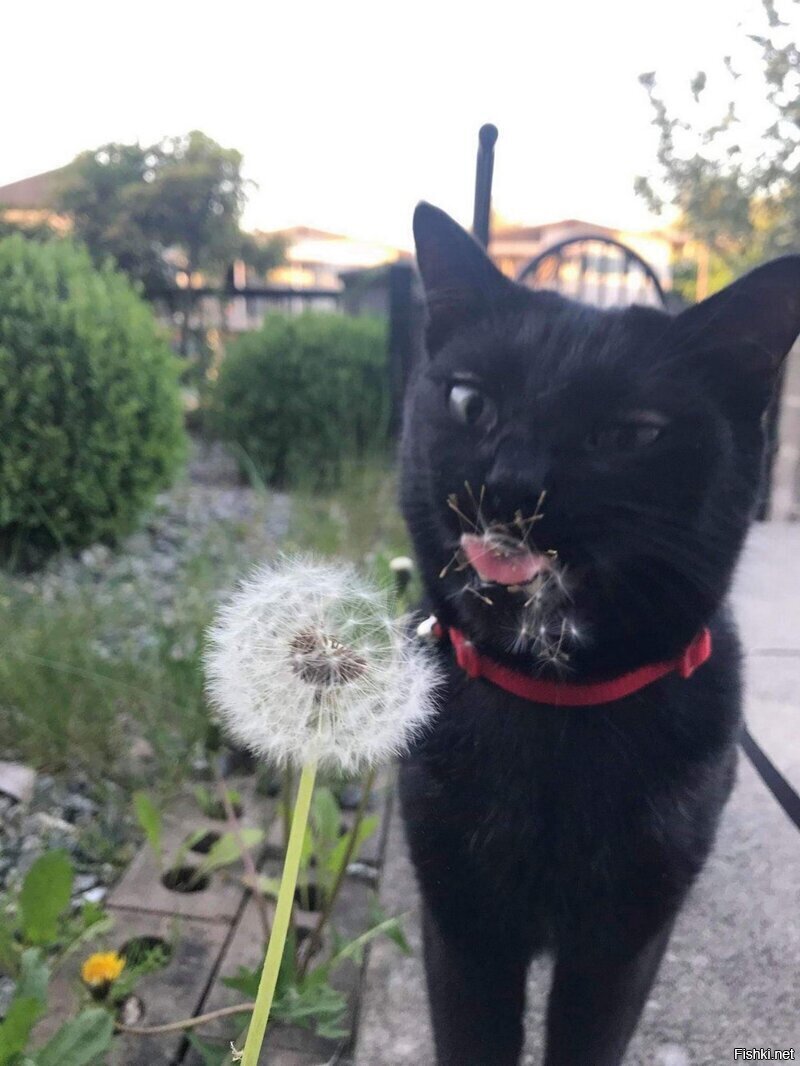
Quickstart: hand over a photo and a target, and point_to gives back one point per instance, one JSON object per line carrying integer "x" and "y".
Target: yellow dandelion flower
{"x": 102, "y": 968}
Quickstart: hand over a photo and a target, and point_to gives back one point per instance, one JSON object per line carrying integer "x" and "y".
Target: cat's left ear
{"x": 460, "y": 280}
{"x": 745, "y": 331}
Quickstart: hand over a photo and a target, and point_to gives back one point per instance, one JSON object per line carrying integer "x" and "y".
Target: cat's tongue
{"x": 506, "y": 564}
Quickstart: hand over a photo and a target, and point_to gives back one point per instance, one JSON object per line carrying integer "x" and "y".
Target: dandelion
{"x": 402, "y": 569}
{"x": 99, "y": 971}
{"x": 305, "y": 663}
{"x": 306, "y": 666}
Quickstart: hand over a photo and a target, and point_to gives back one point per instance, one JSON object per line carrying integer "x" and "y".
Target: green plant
{"x": 89, "y": 401}
{"x": 303, "y": 397}
{"x": 328, "y": 844}
{"x": 309, "y": 999}
{"x": 78, "y": 1042}
{"x": 149, "y": 818}
{"x": 37, "y": 932}
{"x": 213, "y": 806}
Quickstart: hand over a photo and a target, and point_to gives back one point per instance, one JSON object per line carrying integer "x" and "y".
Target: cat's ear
{"x": 746, "y": 330}
{"x": 461, "y": 282}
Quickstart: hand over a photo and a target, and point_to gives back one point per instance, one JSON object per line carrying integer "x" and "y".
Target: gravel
{"x": 147, "y": 587}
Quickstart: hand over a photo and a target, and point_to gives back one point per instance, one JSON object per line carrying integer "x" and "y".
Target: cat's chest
{"x": 517, "y": 782}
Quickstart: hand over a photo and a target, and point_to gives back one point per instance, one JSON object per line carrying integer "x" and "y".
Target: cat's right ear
{"x": 461, "y": 282}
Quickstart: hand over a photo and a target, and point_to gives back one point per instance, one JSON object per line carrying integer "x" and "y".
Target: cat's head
{"x": 578, "y": 482}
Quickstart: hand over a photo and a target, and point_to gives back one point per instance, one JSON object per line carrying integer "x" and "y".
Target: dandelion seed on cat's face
{"x": 305, "y": 662}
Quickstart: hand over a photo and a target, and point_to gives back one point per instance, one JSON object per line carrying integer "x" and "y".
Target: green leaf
{"x": 287, "y": 974}
{"x": 149, "y": 818}
{"x": 79, "y": 1041}
{"x": 354, "y": 950}
{"x": 211, "y": 1054}
{"x": 317, "y": 1007}
{"x": 229, "y": 848}
{"x": 267, "y": 886}
{"x": 9, "y": 951}
{"x": 244, "y": 981}
{"x": 34, "y": 976}
{"x": 16, "y": 1028}
{"x": 335, "y": 859}
{"x": 45, "y": 894}
{"x": 326, "y": 818}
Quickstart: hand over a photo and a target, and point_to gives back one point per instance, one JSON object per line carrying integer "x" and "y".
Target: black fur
{"x": 577, "y": 832}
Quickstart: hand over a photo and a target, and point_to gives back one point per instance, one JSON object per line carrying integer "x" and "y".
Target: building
{"x": 593, "y": 273}
{"x": 29, "y": 202}
{"x": 316, "y": 258}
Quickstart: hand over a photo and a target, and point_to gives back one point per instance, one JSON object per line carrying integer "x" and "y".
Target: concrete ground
{"x": 731, "y": 976}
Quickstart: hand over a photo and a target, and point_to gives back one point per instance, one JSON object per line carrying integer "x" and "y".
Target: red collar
{"x": 574, "y": 693}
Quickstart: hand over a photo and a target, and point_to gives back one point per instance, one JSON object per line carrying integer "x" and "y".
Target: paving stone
{"x": 246, "y": 948}
{"x": 140, "y": 887}
{"x": 729, "y": 978}
{"x": 169, "y": 994}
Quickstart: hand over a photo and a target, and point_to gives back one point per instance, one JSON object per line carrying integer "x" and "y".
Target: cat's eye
{"x": 628, "y": 434}
{"x": 471, "y": 407}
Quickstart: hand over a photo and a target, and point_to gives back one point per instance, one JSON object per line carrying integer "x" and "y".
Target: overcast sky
{"x": 347, "y": 113}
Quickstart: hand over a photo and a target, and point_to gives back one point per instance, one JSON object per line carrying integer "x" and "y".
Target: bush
{"x": 302, "y": 396}
{"x": 89, "y": 401}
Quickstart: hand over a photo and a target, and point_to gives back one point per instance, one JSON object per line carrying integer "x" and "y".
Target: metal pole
{"x": 487, "y": 137}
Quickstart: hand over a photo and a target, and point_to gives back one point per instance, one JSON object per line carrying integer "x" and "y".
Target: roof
{"x": 37, "y": 191}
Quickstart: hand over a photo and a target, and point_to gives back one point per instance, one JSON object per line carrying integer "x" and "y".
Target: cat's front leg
{"x": 597, "y": 996}
{"x": 477, "y": 1000}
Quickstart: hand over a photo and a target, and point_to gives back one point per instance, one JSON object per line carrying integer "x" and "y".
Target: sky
{"x": 348, "y": 113}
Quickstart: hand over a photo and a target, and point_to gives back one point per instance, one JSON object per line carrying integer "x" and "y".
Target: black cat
{"x": 578, "y": 483}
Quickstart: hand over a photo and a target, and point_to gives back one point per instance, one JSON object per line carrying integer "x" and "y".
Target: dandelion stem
{"x": 283, "y": 914}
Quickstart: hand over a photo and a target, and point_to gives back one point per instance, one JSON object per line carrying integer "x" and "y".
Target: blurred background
{"x": 209, "y": 312}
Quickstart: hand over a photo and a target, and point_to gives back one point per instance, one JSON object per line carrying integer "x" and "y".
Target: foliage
{"x": 96, "y": 659}
{"x": 310, "y": 1000}
{"x": 89, "y": 401}
{"x": 149, "y": 818}
{"x": 194, "y": 199}
{"x": 45, "y": 895}
{"x": 133, "y": 203}
{"x": 326, "y": 844}
{"x": 301, "y": 397}
{"x": 32, "y": 230}
{"x": 212, "y": 805}
{"x": 39, "y": 921}
{"x": 229, "y": 848}
{"x": 734, "y": 180}
{"x": 358, "y": 521}
{"x": 262, "y": 253}
{"x": 79, "y": 1041}
{"x": 101, "y": 192}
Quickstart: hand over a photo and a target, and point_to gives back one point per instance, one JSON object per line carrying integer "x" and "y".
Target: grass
{"x": 86, "y": 672}
{"x": 66, "y": 703}
{"x": 359, "y": 522}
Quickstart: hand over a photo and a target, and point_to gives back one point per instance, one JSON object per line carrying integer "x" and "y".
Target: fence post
{"x": 487, "y": 137}
{"x": 401, "y": 337}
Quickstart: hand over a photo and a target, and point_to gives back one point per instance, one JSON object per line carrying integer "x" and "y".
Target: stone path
{"x": 730, "y": 978}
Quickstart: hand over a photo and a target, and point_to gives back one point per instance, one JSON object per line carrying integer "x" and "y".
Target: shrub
{"x": 301, "y": 396}
{"x": 89, "y": 401}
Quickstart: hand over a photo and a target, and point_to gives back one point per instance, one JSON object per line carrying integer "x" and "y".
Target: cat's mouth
{"x": 503, "y": 560}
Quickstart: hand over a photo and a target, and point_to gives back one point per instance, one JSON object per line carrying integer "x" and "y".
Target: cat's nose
{"x": 516, "y": 482}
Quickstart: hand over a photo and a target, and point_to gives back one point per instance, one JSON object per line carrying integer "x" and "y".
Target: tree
{"x": 101, "y": 192}
{"x": 734, "y": 181}
{"x": 176, "y": 205}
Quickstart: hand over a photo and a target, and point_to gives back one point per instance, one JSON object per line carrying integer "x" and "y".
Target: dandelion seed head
{"x": 305, "y": 662}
